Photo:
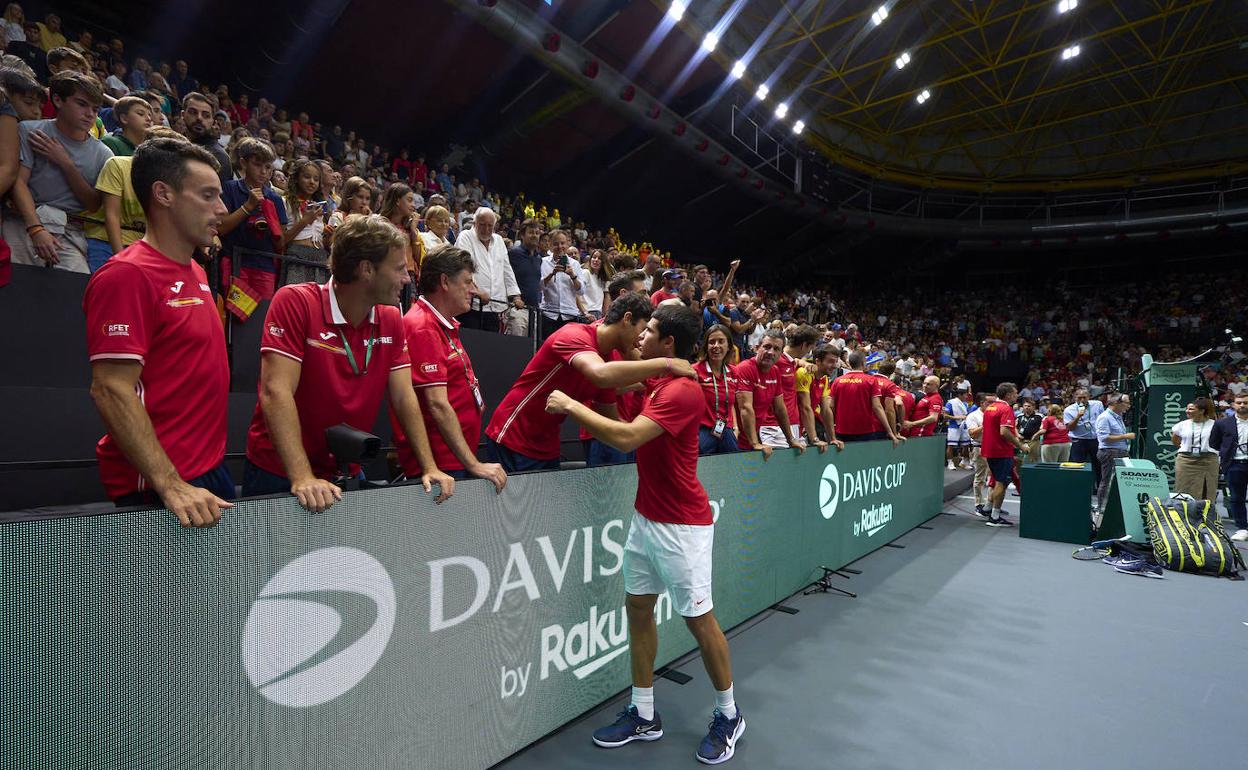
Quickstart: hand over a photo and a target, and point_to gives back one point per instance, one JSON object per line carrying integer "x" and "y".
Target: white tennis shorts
{"x": 772, "y": 436}
{"x": 676, "y": 557}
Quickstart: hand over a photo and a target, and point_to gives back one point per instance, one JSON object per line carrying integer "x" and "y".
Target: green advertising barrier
{"x": 389, "y": 631}
{"x": 1171, "y": 387}
{"x": 1135, "y": 482}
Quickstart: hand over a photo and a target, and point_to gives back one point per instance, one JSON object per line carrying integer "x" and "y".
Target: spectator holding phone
{"x": 257, "y": 220}
{"x": 306, "y": 233}
{"x": 563, "y": 282}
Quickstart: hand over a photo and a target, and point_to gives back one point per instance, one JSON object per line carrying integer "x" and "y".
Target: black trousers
{"x": 1083, "y": 450}
{"x": 480, "y": 319}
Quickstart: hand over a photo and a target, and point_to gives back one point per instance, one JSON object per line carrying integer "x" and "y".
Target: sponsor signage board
{"x": 389, "y": 631}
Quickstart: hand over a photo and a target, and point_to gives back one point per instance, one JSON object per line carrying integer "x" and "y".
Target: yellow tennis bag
{"x": 1187, "y": 537}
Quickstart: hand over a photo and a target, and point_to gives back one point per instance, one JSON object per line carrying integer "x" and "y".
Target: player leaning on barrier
{"x": 443, "y": 375}
{"x": 159, "y": 374}
{"x": 328, "y": 354}
{"x": 670, "y": 538}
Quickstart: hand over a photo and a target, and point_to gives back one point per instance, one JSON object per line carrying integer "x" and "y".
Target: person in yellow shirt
{"x": 50, "y": 35}
{"x": 119, "y": 222}
{"x": 814, "y": 387}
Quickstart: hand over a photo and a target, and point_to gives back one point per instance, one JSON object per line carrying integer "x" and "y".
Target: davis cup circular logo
{"x": 829, "y": 491}
{"x": 318, "y": 627}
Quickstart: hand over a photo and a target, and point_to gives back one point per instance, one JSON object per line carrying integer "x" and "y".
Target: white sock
{"x": 725, "y": 703}
{"x": 996, "y": 513}
{"x": 643, "y": 699}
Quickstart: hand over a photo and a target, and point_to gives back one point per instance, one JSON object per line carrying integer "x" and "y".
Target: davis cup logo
{"x": 318, "y": 627}
{"x": 829, "y": 491}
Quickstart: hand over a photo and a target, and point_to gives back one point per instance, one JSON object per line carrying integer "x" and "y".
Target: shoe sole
{"x": 653, "y": 735}
{"x": 1141, "y": 573}
{"x": 999, "y": 524}
{"x": 728, "y": 752}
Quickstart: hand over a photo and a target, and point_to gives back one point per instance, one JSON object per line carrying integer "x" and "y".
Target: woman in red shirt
{"x": 1055, "y": 447}
{"x": 718, "y": 378}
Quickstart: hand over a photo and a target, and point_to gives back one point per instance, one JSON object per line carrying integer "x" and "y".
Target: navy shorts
{"x": 1002, "y": 469}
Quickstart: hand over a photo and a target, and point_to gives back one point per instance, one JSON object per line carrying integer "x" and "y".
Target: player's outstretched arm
{"x": 624, "y": 436}
{"x": 619, "y": 374}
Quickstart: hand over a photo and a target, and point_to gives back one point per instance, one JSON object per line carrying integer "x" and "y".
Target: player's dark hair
{"x": 629, "y": 302}
{"x": 802, "y": 336}
{"x": 360, "y": 239}
{"x": 164, "y": 160}
{"x": 1005, "y": 389}
{"x": 823, "y": 351}
{"x": 857, "y": 359}
{"x": 624, "y": 282}
{"x": 444, "y": 260}
{"x": 682, "y": 324}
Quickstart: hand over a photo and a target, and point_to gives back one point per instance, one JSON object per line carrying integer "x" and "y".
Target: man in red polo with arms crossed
{"x": 765, "y": 421}
{"x": 329, "y": 352}
{"x": 450, "y": 396}
{"x": 159, "y": 374}
{"x": 927, "y": 410}
{"x": 670, "y": 538}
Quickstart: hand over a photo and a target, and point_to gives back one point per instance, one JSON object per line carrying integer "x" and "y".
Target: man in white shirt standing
{"x": 975, "y": 430}
{"x": 563, "y": 282}
{"x": 495, "y": 281}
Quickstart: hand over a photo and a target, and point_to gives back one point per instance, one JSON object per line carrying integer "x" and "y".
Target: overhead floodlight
{"x": 677, "y": 10}
{"x": 1067, "y": 5}
{"x": 1070, "y": 52}
{"x": 762, "y": 91}
{"x": 923, "y": 96}
{"x": 799, "y": 127}
{"x": 782, "y": 109}
{"x": 901, "y": 61}
{"x": 738, "y": 70}
{"x": 880, "y": 15}
{"x": 710, "y": 41}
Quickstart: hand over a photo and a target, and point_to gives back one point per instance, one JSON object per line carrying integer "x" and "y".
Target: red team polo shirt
{"x": 993, "y": 445}
{"x": 765, "y": 387}
{"x": 438, "y": 359}
{"x": 907, "y": 403}
{"x": 521, "y": 422}
{"x": 851, "y": 396}
{"x": 668, "y": 490}
{"x": 142, "y": 306}
{"x": 720, "y": 394}
{"x": 787, "y": 369}
{"x": 931, "y": 404}
{"x": 305, "y": 324}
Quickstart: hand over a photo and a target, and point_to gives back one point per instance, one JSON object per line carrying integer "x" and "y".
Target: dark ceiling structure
{"x": 1130, "y": 145}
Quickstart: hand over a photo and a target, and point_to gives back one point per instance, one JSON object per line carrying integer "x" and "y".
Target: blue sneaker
{"x": 1141, "y": 567}
{"x": 720, "y": 743}
{"x": 629, "y": 727}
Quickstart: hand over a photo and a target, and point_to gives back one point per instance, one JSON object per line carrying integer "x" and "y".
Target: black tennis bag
{"x": 1187, "y": 537}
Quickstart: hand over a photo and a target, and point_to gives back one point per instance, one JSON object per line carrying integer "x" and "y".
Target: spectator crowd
{"x": 97, "y": 149}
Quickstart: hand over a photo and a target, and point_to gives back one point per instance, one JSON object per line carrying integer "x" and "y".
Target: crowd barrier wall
{"x": 389, "y": 631}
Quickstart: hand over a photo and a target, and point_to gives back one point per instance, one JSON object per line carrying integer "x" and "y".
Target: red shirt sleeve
{"x": 390, "y": 324}
{"x": 1007, "y": 416}
{"x": 286, "y": 325}
{"x": 675, "y": 405}
{"x": 428, "y": 358}
{"x": 121, "y": 313}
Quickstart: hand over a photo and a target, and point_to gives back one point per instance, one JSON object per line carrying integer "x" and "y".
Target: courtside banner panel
{"x": 389, "y": 631}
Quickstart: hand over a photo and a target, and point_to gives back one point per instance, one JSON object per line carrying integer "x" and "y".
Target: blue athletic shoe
{"x": 629, "y": 727}
{"x": 720, "y": 743}
{"x": 1141, "y": 567}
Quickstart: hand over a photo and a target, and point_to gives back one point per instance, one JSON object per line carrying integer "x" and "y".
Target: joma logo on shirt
{"x": 117, "y": 330}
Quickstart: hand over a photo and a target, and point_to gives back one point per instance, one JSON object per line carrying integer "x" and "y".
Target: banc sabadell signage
{"x": 417, "y": 635}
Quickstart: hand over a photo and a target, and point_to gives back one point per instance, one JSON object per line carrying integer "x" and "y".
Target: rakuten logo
{"x": 318, "y": 627}
{"x": 593, "y": 643}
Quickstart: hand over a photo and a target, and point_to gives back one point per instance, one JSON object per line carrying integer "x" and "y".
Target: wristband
{"x": 34, "y": 230}
{"x": 35, "y": 227}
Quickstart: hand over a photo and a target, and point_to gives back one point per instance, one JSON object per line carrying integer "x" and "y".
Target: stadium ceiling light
{"x": 738, "y": 70}
{"x": 902, "y": 61}
{"x": 762, "y": 91}
{"x": 677, "y": 10}
{"x": 799, "y": 127}
{"x": 880, "y": 15}
{"x": 710, "y": 41}
{"x": 782, "y": 109}
{"x": 923, "y": 96}
{"x": 1067, "y": 5}
{"x": 1070, "y": 52}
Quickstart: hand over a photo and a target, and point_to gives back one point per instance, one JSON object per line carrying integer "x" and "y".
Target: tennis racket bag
{"x": 1187, "y": 537}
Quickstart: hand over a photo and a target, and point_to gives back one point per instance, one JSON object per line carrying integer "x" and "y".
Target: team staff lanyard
{"x": 368, "y": 349}
{"x": 1197, "y": 437}
{"x": 715, "y": 383}
{"x": 463, "y": 361}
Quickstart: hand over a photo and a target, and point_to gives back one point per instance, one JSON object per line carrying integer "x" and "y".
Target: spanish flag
{"x": 241, "y": 300}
